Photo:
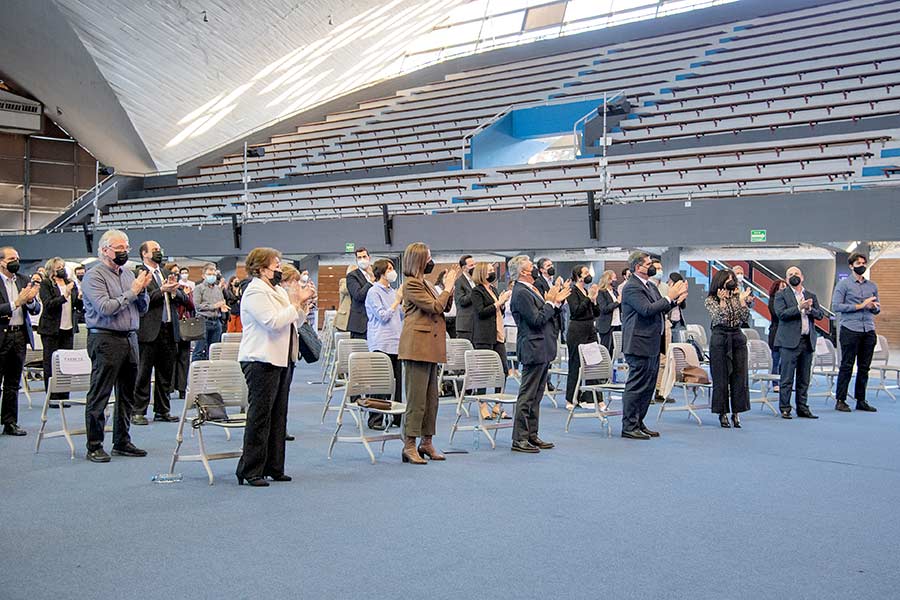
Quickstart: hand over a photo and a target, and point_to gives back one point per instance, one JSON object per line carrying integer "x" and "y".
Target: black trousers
{"x": 181, "y": 366}
{"x": 639, "y": 389}
{"x": 357, "y": 336}
{"x": 528, "y": 403}
{"x": 856, "y": 346}
{"x": 113, "y": 365}
{"x": 728, "y": 367}
{"x": 268, "y": 388}
{"x": 608, "y": 341}
{"x": 451, "y": 326}
{"x": 159, "y": 355}
{"x": 63, "y": 339}
{"x": 796, "y": 364}
{"x": 579, "y": 332}
{"x": 12, "y": 359}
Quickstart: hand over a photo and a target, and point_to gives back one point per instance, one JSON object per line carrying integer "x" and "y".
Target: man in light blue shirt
{"x": 855, "y": 299}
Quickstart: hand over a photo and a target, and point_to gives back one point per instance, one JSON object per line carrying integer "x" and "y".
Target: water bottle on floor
{"x": 167, "y": 478}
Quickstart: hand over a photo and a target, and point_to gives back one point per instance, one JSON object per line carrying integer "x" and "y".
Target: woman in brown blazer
{"x": 423, "y": 347}
{"x": 343, "y": 313}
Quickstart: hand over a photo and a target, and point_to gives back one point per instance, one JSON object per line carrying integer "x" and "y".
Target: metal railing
{"x": 467, "y": 138}
{"x": 85, "y": 202}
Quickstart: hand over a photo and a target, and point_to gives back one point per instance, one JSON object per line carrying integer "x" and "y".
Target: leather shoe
{"x": 139, "y": 420}
{"x": 13, "y": 429}
{"x": 786, "y": 414}
{"x": 56, "y": 405}
{"x": 97, "y": 455}
{"x": 635, "y": 434}
{"x": 841, "y": 406}
{"x": 536, "y": 441}
{"x": 128, "y": 449}
{"x": 289, "y": 438}
{"x": 525, "y": 447}
{"x": 648, "y": 431}
{"x": 806, "y": 414}
{"x": 865, "y": 407}
{"x": 281, "y": 477}
{"x": 167, "y": 418}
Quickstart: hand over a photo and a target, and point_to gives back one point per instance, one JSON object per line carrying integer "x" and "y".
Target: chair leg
{"x": 362, "y": 435}
{"x": 65, "y": 428}
{"x": 26, "y": 389}
{"x": 40, "y": 435}
{"x": 203, "y": 458}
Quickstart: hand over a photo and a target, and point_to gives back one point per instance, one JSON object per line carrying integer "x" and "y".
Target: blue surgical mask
{"x": 210, "y": 279}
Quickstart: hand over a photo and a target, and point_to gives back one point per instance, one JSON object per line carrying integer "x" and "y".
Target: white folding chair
{"x": 454, "y": 370}
{"x": 750, "y": 333}
{"x": 225, "y": 378}
{"x": 617, "y": 346}
{"x": 596, "y": 379}
{"x": 759, "y": 367}
{"x": 559, "y": 369}
{"x": 224, "y": 351}
{"x": 370, "y": 373}
{"x": 326, "y": 335}
{"x": 79, "y": 341}
{"x": 71, "y": 384}
{"x": 881, "y": 362}
{"x": 679, "y": 356}
{"x": 484, "y": 370}
{"x": 825, "y": 364}
{"x": 33, "y": 369}
{"x": 329, "y": 357}
{"x": 698, "y": 333}
{"x": 231, "y": 338}
{"x": 345, "y": 347}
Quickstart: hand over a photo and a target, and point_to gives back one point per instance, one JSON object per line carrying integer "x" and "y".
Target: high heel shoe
{"x": 410, "y": 454}
{"x": 253, "y": 481}
{"x": 426, "y": 448}
{"x": 736, "y": 420}
{"x": 723, "y": 421}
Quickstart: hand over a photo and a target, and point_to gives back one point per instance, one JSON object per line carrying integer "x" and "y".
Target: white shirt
{"x": 804, "y": 322}
{"x": 270, "y": 322}
{"x": 65, "y": 319}
{"x": 12, "y": 292}
{"x": 161, "y": 279}
{"x": 616, "y": 315}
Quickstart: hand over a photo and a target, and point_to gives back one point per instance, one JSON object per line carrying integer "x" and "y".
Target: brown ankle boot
{"x": 428, "y": 449}
{"x": 410, "y": 454}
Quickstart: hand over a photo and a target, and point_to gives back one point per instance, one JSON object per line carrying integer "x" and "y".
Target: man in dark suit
{"x": 797, "y": 310}
{"x": 158, "y": 336}
{"x": 543, "y": 281}
{"x": 643, "y": 309}
{"x": 535, "y": 348}
{"x": 358, "y": 284}
{"x": 17, "y": 302}
{"x": 462, "y": 296}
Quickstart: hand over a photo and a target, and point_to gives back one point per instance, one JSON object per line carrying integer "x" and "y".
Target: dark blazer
{"x": 465, "y": 313}
{"x": 789, "y": 325}
{"x": 541, "y": 284}
{"x": 53, "y": 302}
{"x": 606, "y": 305}
{"x": 148, "y": 330}
{"x": 358, "y": 286}
{"x": 6, "y": 308}
{"x": 580, "y": 306}
{"x": 536, "y": 337}
{"x": 773, "y": 326}
{"x": 642, "y": 317}
{"x": 485, "y": 331}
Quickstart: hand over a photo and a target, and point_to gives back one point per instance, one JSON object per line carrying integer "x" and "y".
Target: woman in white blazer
{"x": 270, "y": 316}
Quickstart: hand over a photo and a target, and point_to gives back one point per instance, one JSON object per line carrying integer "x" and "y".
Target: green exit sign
{"x": 351, "y": 247}
{"x": 757, "y": 235}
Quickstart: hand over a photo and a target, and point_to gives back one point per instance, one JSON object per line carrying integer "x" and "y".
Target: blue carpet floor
{"x": 780, "y": 509}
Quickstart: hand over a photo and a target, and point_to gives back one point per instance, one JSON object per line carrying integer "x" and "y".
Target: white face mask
{"x": 391, "y": 276}
{"x": 304, "y": 278}
{"x": 740, "y": 277}
{"x": 184, "y": 276}
{"x": 363, "y": 263}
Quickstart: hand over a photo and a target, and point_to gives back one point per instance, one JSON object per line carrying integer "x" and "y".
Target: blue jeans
{"x": 776, "y": 361}
{"x": 213, "y": 336}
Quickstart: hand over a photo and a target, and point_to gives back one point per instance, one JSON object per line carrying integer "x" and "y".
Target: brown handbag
{"x": 693, "y": 375}
{"x": 375, "y": 403}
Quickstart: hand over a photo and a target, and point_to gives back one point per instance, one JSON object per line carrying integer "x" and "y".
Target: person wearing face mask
{"x": 462, "y": 297}
{"x": 114, "y": 300}
{"x": 184, "y": 280}
{"x": 797, "y": 309}
{"x": 58, "y": 324}
{"x": 18, "y": 302}
{"x": 489, "y": 306}
{"x": 423, "y": 347}
{"x": 313, "y": 314}
{"x": 209, "y": 302}
{"x": 583, "y": 310}
{"x": 270, "y": 315}
{"x": 358, "y": 284}
{"x": 741, "y": 287}
{"x": 79, "y": 277}
{"x": 855, "y": 298}
{"x": 610, "y": 318}
{"x": 158, "y": 337}
{"x": 232, "y": 293}
{"x": 182, "y": 347}
{"x": 676, "y": 315}
{"x": 544, "y": 272}
{"x": 728, "y": 348}
{"x": 385, "y": 324}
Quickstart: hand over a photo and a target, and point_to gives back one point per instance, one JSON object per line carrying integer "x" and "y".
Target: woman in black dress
{"x": 583, "y": 310}
{"x": 610, "y": 316}
{"x": 489, "y": 306}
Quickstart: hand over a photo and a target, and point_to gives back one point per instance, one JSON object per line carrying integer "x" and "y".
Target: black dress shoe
{"x": 98, "y": 455}
{"x": 723, "y": 421}
{"x": 128, "y": 449}
{"x": 253, "y": 481}
{"x": 635, "y": 434}
{"x": 167, "y": 418}
{"x": 841, "y": 406}
{"x": 806, "y": 414}
{"x": 536, "y": 441}
{"x": 865, "y": 407}
{"x": 139, "y": 420}
{"x": 13, "y": 429}
{"x": 648, "y": 431}
{"x": 525, "y": 447}
{"x": 56, "y": 405}
{"x": 289, "y": 438}
{"x": 786, "y": 414}
{"x": 281, "y": 477}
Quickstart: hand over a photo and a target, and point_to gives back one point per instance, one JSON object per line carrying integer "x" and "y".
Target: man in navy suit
{"x": 534, "y": 314}
{"x": 797, "y": 310}
{"x": 643, "y": 309}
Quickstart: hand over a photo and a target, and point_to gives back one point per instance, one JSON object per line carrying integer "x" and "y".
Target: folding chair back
{"x": 224, "y": 351}
{"x": 617, "y": 345}
{"x": 698, "y": 333}
{"x": 79, "y": 342}
{"x": 345, "y": 348}
{"x": 483, "y": 371}
{"x": 511, "y": 335}
{"x": 759, "y": 356}
{"x": 456, "y": 355}
{"x": 61, "y": 383}
{"x": 601, "y": 371}
{"x": 223, "y": 377}
{"x": 750, "y": 333}
{"x": 370, "y": 373}
{"x": 882, "y": 353}
{"x": 825, "y": 355}
{"x": 232, "y": 338}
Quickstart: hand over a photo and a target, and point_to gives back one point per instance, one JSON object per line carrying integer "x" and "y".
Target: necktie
{"x": 166, "y": 312}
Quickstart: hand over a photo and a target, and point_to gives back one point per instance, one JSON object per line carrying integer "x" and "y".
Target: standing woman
{"x": 183, "y": 347}
{"x": 727, "y": 308}
{"x": 610, "y": 318}
{"x": 383, "y": 330}
{"x": 676, "y": 315}
{"x": 342, "y": 317}
{"x": 423, "y": 346}
{"x": 233, "y": 294}
{"x": 58, "y": 323}
{"x": 269, "y": 345}
{"x": 583, "y": 309}
{"x": 777, "y": 286}
{"x": 488, "y": 332}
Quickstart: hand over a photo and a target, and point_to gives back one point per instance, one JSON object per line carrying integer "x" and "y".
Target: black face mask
{"x": 651, "y": 271}
{"x": 794, "y": 281}
{"x": 12, "y": 266}
{"x": 429, "y": 267}
{"x": 470, "y": 270}
{"x": 860, "y": 269}
{"x": 588, "y": 279}
{"x": 492, "y": 277}
{"x": 121, "y": 258}
{"x": 731, "y": 285}
{"x": 157, "y": 257}
{"x": 61, "y": 274}
{"x": 79, "y": 277}
{"x": 551, "y": 271}
{"x": 276, "y": 277}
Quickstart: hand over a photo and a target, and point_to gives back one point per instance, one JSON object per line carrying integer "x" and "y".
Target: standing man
{"x": 209, "y": 303}
{"x": 643, "y": 310}
{"x": 462, "y": 296}
{"x": 543, "y": 281}
{"x": 17, "y": 303}
{"x": 114, "y": 300}
{"x": 79, "y": 308}
{"x": 158, "y": 336}
{"x": 359, "y": 282}
{"x": 856, "y": 299}
{"x": 535, "y": 348}
{"x": 797, "y": 310}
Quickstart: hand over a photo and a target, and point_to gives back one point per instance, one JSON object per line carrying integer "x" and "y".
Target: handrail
{"x": 98, "y": 193}
{"x": 479, "y": 129}
{"x": 606, "y": 101}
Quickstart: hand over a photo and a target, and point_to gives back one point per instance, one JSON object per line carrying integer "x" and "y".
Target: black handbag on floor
{"x": 310, "y": 344}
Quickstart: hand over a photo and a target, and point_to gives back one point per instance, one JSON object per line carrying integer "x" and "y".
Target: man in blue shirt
{"x": 856, "y": 300}
{"x": 114, "y": 300}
